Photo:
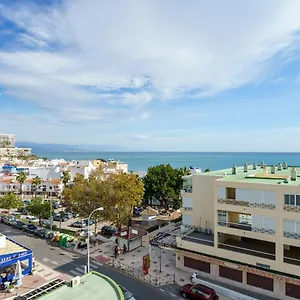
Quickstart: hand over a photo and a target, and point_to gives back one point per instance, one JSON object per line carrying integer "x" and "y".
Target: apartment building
{"x": 83, "y": 167}
{"x": 7, "y": 140}
{"x": 241, "y": 226}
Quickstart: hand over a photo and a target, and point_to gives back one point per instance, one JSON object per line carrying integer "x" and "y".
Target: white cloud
{"x": 103, "y": 61}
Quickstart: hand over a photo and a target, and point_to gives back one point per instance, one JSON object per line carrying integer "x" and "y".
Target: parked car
{"x": 8, "y": 220}
{"x": 30, "y": 228}
{"x": 86, "y": 222}
{"x": 56, "y": 205}
{"x": 108, "y": 230}
{"x": 19, "y": 224}
{"x": 32, "y": 219}
{"x": 26, "y": 202}
{"x": 83, "y": 232}
{"x": 57, "y": 218}
{"x": 79, "y": 224}
{"x": 41, "y": 232}
{"x": 198, "y": 291}
{"x": 68, "y": 215}
{"x": 137, "y": 210}
{"x": 127, "y": 295}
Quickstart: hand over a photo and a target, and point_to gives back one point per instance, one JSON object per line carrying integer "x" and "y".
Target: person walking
{"x": 116, "y": 251}
{"x": 124, "y": 249}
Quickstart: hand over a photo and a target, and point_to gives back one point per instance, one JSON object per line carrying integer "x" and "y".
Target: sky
{"x": 152, "y": 75}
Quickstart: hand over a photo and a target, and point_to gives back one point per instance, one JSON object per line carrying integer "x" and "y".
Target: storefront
{"x": 10, "y": 253}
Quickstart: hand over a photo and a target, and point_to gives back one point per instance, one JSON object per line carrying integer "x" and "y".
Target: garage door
{"x": 197, "y": 264}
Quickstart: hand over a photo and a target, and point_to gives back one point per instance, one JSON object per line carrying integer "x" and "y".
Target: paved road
{"x": 73, "y": 265}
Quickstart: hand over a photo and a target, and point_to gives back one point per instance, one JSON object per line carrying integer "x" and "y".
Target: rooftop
{"x": 258, "y": 175}
{"x": 92, "y": 286}
{"x": 11, "y": 247}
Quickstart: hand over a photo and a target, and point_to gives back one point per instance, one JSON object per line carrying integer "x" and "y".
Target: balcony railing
{"x": 245, "y": 226}
{"x": 248, "y": 251}
{"x": 291, "y": 208}
{"x": 246, "y": 203}
{"x": 200, "y": 236}
{"x": 187, "y": 208}
{"x": 291, "y": 235}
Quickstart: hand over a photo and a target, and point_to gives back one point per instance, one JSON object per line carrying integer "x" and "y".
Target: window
{"x": 222, "y": 217}
{"x": 292, "y": 200}
{"x": 290, "y": 226}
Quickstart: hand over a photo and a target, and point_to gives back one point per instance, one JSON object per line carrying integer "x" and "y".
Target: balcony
{"x": 205, "y": 237}
{"x": 247, "y": 246}
{"x": 246, "y": 227}
{"x": 246, "y": 203}
{"x": 291, "y": 235}
{"x": 291, "y": 255}
{"x": 291, "y": 208}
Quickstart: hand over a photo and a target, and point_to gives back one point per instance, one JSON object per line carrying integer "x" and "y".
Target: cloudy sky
{"x": 152, "y": 75}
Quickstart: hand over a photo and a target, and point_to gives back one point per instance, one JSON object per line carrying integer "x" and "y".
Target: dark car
{"x": 78, "y": 224}
{"x": 198, "y": 291}
{"x": 30, "y": 228}
{"x": 127, "y": 295}
{"x": 86, "y": 222}
{"x": 108, "y": 230}
{"x": 41, "y": 232}
{"x": 18, "y": 224}
{"x": 58, "y": 218}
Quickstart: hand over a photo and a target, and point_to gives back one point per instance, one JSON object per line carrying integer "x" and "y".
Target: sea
{"x": 141, "y": 161}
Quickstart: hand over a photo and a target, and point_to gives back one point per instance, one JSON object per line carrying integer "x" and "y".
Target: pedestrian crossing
{"x": 80, "y": 270}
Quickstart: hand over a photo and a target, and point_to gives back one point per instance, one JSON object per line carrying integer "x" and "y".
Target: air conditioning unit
{"x": 75, "y": 281}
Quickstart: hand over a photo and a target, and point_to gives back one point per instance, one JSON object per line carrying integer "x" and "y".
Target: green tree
{"x": 124, "y": 192}
{"x": 207, "y": 171}
{"x": 163, "y": 182}
{"x": 21, "y": 178}
{"x": 66, "y": 177}
{"x": 10, "y": 201}
{"x": 39, "y": 208}
{"x": 185, "y": 171}
{"x": 36, "y": 181}
{"x": 45, "y": 158}
{"x": 78, "y": 178}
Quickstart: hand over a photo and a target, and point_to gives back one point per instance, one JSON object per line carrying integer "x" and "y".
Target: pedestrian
{"x": 119, "y": 250}
{"x": 116, "y": 251}
{"x": 124, "y": 249}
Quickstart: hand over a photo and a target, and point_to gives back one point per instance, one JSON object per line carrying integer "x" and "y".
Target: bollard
{"x": 85, "y": 269}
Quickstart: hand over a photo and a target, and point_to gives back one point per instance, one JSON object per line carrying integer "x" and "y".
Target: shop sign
{"x": 13, "y": 256}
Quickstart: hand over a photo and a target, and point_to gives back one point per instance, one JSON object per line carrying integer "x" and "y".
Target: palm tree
{"x": 66, "y": 177}
{"x": 21, "y": 179}
{"x": 35, "y": 182}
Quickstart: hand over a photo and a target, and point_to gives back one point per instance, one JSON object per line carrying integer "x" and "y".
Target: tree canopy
{"x": 117, "y": 195}
{"x": 10, "y": 201}
{"x": 163, "y": 182}
{"x": 66, "y": 177}
{"x": 78, "y": 178}
{"x": 39, "y": 208}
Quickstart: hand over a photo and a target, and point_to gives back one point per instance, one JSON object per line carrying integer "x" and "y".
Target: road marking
{"x": 55, "y": 263}
{"x": 45, "y": 259}
{"x": 172, "y": 295}
{"x": 162, "y": 290}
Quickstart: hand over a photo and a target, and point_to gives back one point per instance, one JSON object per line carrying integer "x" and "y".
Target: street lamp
{"x": 88, "y": 237}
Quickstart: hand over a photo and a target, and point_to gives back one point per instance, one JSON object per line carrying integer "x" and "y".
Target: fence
{"x": 139, "y": 274}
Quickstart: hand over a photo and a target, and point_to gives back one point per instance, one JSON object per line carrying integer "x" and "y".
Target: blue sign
{"x": 13, "y": 256}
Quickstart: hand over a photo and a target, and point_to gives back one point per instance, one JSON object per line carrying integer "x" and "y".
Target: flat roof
{"x": 93, "y": 286}
{"x": 11, "y": 247}
{"x": 260, "y": 175}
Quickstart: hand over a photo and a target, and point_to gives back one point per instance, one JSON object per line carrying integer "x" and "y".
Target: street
{"x": 73, "y": 265}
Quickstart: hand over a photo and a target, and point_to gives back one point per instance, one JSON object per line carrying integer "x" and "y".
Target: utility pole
{"x": 159, "y": 259}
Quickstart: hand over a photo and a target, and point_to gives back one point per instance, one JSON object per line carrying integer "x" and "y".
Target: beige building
{"x": 244, "y": 228}
{"x": 7, "y": 140}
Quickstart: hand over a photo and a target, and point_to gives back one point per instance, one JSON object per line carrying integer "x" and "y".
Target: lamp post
{"x": 88, "y": 237}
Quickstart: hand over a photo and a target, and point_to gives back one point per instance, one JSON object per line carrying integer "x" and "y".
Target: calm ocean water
{"x": 140, "y": 161}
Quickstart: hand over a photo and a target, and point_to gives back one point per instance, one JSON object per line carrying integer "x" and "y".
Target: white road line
{"x": 172, "y": 295}
{"x": 73, "y": 272}
{"x": 45, "y": 259}
{"x": 162, "y": 290}
{"x": 54, "y": 263}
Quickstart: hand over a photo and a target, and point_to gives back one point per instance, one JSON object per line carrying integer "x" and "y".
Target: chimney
{"x": 246, "y": 167}
{"x": 234, "y": 169}
{"x": 285, "y": 165}
{"x": 273, "y": 169}
{"x": 254, "y": 166}
{"x": 279, "y": 167}
{"x": 262, "y": 164}
{"x": 294, "y": 174}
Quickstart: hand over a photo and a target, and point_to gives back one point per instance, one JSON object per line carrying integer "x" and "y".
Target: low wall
{"x": 223, "y": 291}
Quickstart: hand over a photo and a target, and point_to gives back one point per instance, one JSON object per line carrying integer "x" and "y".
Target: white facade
{"x": 7, "y": 140}
{"x": 83, "y": 167}
{"x": 45, "y": 173}
{"x": 8, "y": 152}
{"x": 48, "y": 163}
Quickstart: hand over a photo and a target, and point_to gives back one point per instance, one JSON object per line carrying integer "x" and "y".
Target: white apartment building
{"x": 45, "y": 173}
{"x": 7, "y": 140}
{"x": 14, "y": 152}
{"x": 48, "y": 188}
{"x": 83, "y": 167}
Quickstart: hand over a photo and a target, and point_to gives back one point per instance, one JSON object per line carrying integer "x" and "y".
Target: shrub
{"x": 179, "y": 219}
{"x": 153, "y": 228}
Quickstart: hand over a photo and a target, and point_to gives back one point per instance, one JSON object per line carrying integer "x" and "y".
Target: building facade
{"x": 244, "y": 228}
{"x": 7, "y": 140}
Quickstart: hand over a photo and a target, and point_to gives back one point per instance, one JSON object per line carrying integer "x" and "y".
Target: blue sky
{"x": 152, "y": 75}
